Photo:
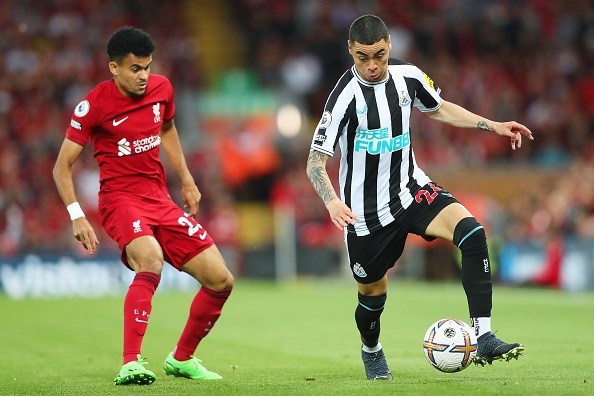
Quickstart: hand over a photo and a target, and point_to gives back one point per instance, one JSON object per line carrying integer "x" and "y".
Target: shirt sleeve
{"x": 427, "y": 97}
{"x": 170, "y": 108}
{"x": 335, "y": 112}
{"x": 82, "y": 122}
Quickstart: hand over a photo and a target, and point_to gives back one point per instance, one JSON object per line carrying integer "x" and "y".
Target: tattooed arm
{"x": 458, "y": 116}
{"x": 340, "y": 213}
{"x": 316, "y": 171}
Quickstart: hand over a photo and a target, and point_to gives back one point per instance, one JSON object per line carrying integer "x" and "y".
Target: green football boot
{"x": 189, "y": 369}
{"x": 135, "y": 373}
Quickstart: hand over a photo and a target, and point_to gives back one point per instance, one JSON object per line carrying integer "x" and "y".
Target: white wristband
{"x": 75, "y": 211}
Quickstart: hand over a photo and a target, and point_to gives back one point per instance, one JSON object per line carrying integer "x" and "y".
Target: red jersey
{"x": 124, "y": 133}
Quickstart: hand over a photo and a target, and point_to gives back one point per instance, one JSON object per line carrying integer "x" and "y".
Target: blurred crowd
{"x": 51, "y": 54}
{"x": 523, "y": 60}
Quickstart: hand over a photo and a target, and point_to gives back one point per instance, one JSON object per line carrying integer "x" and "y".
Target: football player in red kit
{"x": 128, "y": 119}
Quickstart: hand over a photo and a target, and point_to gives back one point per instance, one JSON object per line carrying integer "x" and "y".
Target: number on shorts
{"x": 427, "y": 195}
{"x": 192, "y": 229}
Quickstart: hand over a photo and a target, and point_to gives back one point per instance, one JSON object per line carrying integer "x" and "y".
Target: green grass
{"x": 298, "y": 340}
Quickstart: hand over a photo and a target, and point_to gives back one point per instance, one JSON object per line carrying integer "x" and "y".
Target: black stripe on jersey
{"x": 396, "y": 114}
{"x": 421, "y": 93}
{"x": 394, "y": 61}
{"x": 340, "y": 86}
{"x": 348, "y": 118}
{"x": 333, "y": 98}
{"x": 412, "y": 184}
{"x": 351, "y": 119}
{"x": 371, "y": 162}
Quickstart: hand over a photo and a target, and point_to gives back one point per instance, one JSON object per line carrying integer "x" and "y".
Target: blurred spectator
{"x": 51, "y": 53}
{"x": 527, "y": 60}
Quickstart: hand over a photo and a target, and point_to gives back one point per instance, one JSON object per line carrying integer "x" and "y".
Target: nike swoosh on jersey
{"x": 116, "y": 123}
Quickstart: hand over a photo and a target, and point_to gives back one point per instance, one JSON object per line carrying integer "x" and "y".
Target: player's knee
{"x": 221, "y": 281}
{"x": 150, "y": 265}
{"x": 470, "y": 235}
{"x": 227, "y": 282}
{"x": 145, "y": 264}
{"x": 372, "y": 303}
{"x": 144, "y": 255}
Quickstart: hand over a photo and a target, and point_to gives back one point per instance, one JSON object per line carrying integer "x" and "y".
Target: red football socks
{"x": 137, "y": 310}
{"x": 204, "y": 312}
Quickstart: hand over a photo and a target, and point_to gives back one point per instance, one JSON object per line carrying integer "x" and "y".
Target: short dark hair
{"x": 129, "y": 40}
{"x": 368, "y": 29}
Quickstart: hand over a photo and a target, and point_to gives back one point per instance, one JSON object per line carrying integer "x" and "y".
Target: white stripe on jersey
{"x": 371, "y": 124}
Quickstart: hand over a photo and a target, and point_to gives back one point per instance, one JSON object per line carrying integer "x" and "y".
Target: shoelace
{"x": 194, "y": 358}
{"x": 141, "y": 360}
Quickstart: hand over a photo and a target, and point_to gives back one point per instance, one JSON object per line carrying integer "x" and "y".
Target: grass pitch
{"x": 298, "y": 339}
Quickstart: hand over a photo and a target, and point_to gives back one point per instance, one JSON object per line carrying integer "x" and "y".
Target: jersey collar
{"x": 368, "y": 83}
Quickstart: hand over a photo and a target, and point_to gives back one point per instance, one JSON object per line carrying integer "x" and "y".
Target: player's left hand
{"x": 192, "y": 198}
{"x": 514, "y": 130}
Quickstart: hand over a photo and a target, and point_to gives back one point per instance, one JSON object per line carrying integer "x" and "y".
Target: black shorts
{"x": 371, "y": 256}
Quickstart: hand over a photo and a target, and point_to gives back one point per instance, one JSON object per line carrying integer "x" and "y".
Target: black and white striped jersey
{"x": 371, "y": 122}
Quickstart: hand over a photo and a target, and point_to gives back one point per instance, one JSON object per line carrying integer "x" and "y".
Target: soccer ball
{"x": 450, "y": 345}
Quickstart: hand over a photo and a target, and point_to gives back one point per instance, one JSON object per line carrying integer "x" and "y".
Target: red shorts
{"x": 128, "y": 216}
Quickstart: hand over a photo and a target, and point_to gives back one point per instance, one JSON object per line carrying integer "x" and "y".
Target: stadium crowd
{"x": 527, "y": 60}
{"x": 51, "y": 54}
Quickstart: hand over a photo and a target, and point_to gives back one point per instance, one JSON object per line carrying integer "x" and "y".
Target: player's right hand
{"x": 340, "y": 213}
{"x": 84, "y": 233}
{"x": 192, "y": 197}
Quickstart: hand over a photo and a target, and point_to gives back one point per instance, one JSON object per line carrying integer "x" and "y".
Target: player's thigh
{"x": 444, "y": 223}
{"x": 144, "y": 254}
{"x": 208, "y": 267}
{"x": 181, "y": 237}
{"x": 126, "y": 217}
{"x": 371, "y": 256}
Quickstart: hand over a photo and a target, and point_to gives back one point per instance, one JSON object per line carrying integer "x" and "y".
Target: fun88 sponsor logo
{"x": 378, "y": 141}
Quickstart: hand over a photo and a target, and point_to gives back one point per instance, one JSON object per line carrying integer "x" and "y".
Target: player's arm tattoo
{"x": 316, "y": 171}
{"x": 484, "y": 126}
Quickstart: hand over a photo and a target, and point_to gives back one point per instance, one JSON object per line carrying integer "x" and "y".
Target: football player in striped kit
{"x": 384, "y": 195}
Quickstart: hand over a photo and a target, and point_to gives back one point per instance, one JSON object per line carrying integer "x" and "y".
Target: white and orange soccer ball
{"x": 450, "y": 345}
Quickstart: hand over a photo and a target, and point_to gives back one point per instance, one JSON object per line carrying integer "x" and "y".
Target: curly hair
{"x": 129, "y": 40}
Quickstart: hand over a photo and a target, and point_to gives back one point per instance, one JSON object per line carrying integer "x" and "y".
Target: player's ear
{"x": 113, "y": 68}
{"x": 349, "y": 47}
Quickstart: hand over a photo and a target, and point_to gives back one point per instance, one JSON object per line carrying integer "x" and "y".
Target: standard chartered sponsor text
{"x": 146, "y": 144}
